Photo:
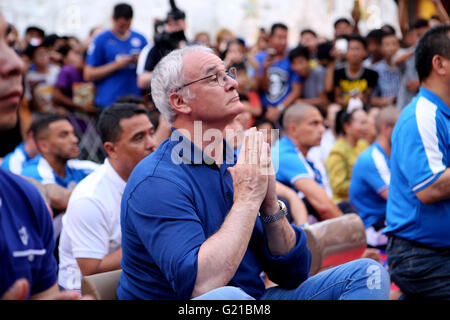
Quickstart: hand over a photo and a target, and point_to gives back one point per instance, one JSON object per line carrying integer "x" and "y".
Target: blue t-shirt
{"x": 291, "y": 165}
{"x": 281, "y": 77}
{"x": 16, "y": 160}
{"x": 370, "y": 177}
{"x": 76, "y": 170}
{"x": 26, "y": 236}
{"x": 106, "y": 48}
{"x": 175, "y": 199}
{"x": 420, "y": 154}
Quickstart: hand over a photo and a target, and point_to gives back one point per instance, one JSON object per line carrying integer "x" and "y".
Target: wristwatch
{"x": 276, "y": 216}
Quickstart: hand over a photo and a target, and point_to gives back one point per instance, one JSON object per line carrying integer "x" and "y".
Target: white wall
{"x": 243, "y": 17}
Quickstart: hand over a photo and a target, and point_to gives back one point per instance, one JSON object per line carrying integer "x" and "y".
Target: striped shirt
{"x": 15, "y": 160}
{"x": 39, "y": 169}
{"x": 420, "y": 154}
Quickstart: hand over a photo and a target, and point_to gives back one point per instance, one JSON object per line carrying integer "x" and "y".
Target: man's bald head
{"x": 296, "y": 114}
{"x": 387, "y": 116}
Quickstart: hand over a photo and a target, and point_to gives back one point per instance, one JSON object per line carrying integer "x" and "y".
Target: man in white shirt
{"x": 91, "y": 237}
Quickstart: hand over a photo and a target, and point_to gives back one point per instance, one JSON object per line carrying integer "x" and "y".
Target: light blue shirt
{"x": 370, "y": 177}
{"x": 39, "y": 169}
{"x": 291, "y": 165}
{"x": 420, "y": 154}
{"x": 15, "y": 160}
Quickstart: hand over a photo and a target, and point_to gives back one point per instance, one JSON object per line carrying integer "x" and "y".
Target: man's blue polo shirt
{"x": 370, "y": 177}
{"x": 175, "y": 199}
{"x": 420, "y": 154}
{"x": 76, "y": 170}
{"x": 291, "y": 165}
{"x": 26, "y": 236}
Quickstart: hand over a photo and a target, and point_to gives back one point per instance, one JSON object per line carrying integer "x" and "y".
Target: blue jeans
{"x": 362, "y": 279}
{"x": 418, "y": 270}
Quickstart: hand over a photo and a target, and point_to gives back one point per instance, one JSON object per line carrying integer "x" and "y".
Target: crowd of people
{"x": 195, "y": 165}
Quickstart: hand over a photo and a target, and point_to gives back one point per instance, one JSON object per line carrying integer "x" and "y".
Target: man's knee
{"x": 377, "y": 275}
{"x": 225, "y": 293}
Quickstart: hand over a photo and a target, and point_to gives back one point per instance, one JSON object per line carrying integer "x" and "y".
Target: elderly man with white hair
{"x": 198, "y": 222}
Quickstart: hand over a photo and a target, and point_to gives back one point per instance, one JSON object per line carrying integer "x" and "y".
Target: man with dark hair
{"x": 112, "y": 57}
{"x": 389, "y": 78}
{"x": 313, "y": 79}
{"x": 353, "y": 80}
{"x": 342, "y": 27}
{"x": 278, "y": 84}
{"x": 91, "y": 237}
{"x": 58, "y": 147}
{"x": 373, "y": 40}
{"x": 418, "y": 205}
{"x": 404, "y": 59}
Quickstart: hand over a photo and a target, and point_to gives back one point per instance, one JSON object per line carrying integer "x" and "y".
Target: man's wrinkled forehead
{"x": 200, "y": 63}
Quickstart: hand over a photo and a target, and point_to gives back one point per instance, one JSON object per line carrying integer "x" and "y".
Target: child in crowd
{"x": 388, "y": 84}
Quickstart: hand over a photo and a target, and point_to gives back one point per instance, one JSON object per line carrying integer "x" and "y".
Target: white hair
{"x": 168, "y": 77}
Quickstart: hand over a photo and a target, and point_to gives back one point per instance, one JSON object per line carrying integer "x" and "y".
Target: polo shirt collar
{"x": 197, "y": 156}
{"x": 114, "y": 176}
{"x": 434, "y": 98}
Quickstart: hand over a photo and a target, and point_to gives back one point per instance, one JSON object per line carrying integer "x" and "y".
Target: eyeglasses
{"x": 220, "y": 78}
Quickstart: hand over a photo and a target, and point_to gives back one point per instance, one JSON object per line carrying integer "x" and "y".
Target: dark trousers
{"x": 420, "y": 271}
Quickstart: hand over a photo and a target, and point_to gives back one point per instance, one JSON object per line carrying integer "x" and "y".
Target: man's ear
{"x": 110, "y": 149}
{"x": 42, "y": 145}
{"x": 440, "y": 65}
{"x": 178, "y": 103}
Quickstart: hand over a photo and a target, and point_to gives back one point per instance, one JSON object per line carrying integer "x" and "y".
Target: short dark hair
{"x": 433, "y": 42}
{"x": 342, "y": 20}
{"x": 324, "y": 49}
{"x": 36, "y": 29}
{"x": 64, "y": 50}
{"x": 122, "y": 10}
{"x": 419, "y": 23}
{"x": 42, "y": 122}
{"x": 277, "y": 25}
{"x": 299, "y": 51}
{"x": 108, "y": 125}
{"x": 308, "y": 31}
{"x": 375, "y": 34}
{"x": 387, "y": 34}
{"x": 357, "y": 37}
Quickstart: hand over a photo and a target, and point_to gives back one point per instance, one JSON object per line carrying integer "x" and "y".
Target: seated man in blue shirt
{"x": 418, "y": 205}
{"x": 369, "y": 183}
{"x": 189, "y": 213}
{"x": 303, "y": 125}
{"x": 27, "y": 265}
{"x": 58, "y": 146}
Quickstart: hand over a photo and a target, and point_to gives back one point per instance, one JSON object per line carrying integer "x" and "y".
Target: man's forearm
{"x": 97, "y": 73}
{"x": 437, "y": 191}
{"x": 221, "y": 254}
